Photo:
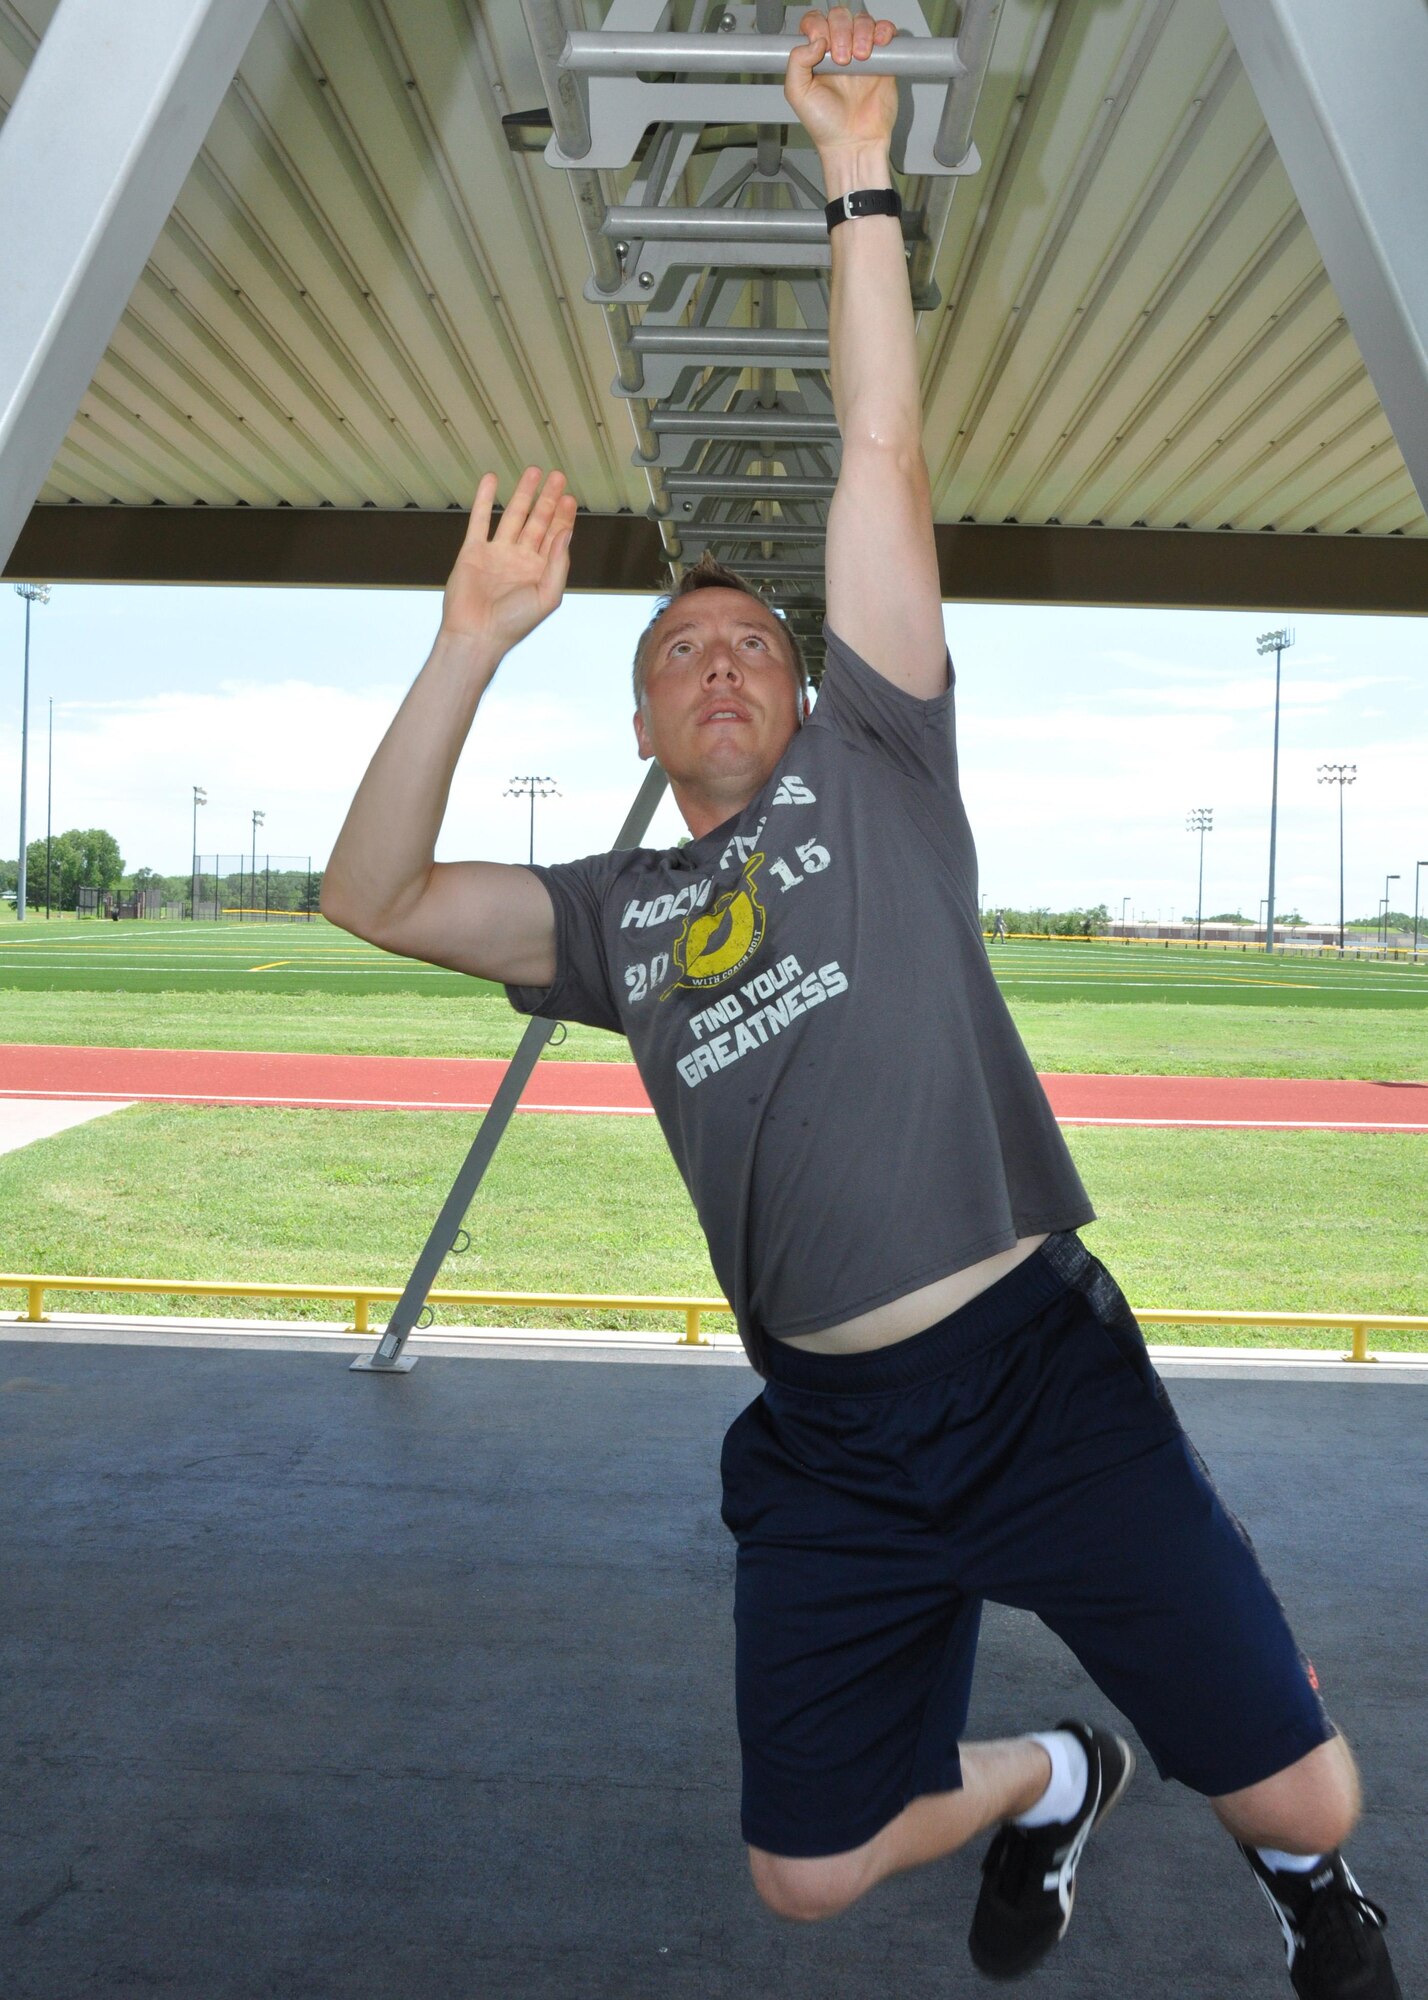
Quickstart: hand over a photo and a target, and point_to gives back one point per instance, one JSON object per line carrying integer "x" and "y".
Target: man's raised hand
{"x": 504, "y": 584}
{"x": 848, "y": 109}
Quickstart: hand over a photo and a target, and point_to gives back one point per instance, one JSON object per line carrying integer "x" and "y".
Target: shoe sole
{"x": 1103, "y": 1811}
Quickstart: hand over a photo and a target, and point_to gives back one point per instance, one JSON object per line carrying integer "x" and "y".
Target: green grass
{"x": 1126, "y": 1039}
{"x": 373, "y": 1024}
{"x": 1080, "y": 1006}
{"x": 1156, "y": 1039}
{"x": 1263, "y": 1221}
{"x": 70, "y": 955}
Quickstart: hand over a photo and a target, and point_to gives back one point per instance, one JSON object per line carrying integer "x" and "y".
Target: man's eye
{"x": 753, "y": 639}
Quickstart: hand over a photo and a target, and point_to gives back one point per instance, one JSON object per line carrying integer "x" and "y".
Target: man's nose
{"x": 721, "y": 663}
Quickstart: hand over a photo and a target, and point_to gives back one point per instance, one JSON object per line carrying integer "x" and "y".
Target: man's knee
{"x": 1309, "y": 1808}
{"x": 806, "y": 1891}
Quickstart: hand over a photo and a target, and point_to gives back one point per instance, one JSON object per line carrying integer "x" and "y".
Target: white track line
{"x": 292, "y": 1103}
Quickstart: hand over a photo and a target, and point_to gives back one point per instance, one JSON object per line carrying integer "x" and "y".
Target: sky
{"x": 1086, "y": 737}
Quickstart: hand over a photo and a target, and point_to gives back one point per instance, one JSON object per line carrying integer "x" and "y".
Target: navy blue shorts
{"x": 1023, "y": 1450}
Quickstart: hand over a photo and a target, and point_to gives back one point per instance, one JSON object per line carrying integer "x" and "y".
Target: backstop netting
{"x": 255, "y": 888}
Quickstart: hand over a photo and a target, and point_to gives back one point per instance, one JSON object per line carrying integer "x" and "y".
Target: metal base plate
{"x": 403, "y": 1365}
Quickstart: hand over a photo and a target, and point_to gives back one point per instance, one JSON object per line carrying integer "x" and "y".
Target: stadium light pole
{"x": 200, "y": 798}
{"x": 33, "y": 593}
{"x": 1201, "y": 820}
{"x": 1340, "y": 775}
{"x": 1418, "y": 866}
{"x": 1386, "y": 880}
{"x": 258, "y": 819}
{"x": 50, "y": 812}
{"x": 1277, "y": 643}
{"x": 533, "y": 788}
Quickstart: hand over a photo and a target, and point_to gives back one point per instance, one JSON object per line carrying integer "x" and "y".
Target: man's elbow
{"x": 348, "y": 911}
{"x": 331, "y": 905}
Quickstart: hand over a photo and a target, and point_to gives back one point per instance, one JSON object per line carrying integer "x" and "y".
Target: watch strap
{"x": 863, "y": 201}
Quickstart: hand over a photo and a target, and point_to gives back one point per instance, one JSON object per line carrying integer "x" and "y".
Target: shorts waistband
{"x": 922, "y": 1357}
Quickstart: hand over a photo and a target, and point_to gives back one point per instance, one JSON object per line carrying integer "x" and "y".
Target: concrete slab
{"x": 25, "y": 1119}
{"x": 342, "y": 1691}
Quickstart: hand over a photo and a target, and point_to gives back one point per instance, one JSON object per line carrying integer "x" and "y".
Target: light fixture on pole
{"x": 1340, "y": 775}
{"x": 1201, "y": 820}
{"x": 1418, "y": 866}
{"x": 33, "y": 593}
{"x": 1386, "y": 880}
{"x": 533, "y": 788}
{"x": 200, "y": 798}
{"x": 1277, "y": 643}
{"x": 258, "y": 819}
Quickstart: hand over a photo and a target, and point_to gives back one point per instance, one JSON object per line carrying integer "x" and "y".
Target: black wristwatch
{"x": 863, "y": 201}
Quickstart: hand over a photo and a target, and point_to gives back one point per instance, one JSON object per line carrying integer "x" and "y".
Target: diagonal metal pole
{"x": 387, "y": 1358}
{"x": 109, "y": 120}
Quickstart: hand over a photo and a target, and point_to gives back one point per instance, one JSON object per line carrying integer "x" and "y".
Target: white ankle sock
{"x": 1069, "y": 1774}
{"x": 1288, "y": 1864}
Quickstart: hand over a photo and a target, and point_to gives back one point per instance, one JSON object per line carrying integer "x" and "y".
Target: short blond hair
{"x": 709, "y": 574}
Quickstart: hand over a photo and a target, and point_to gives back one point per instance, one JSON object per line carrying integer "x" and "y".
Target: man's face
{"x": 722, "y": 700}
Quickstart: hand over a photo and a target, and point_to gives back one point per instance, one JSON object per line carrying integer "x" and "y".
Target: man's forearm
{"x": 385, "y": 851}
{"x": 873, "y": 350}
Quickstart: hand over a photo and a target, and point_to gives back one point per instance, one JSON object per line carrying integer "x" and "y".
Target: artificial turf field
{"x": 1295, "y": 1221}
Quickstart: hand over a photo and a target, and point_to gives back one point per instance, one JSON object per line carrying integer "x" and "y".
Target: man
{"x": 958, "y": 1403}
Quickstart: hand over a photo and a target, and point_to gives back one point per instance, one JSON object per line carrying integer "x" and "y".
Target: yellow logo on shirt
{"x": 713, "y": 946}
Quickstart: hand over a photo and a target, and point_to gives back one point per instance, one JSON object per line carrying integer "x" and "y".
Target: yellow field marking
{"x": 270, "y": 968}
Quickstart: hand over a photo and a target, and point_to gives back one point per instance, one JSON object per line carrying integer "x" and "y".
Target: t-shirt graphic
{"x": 712, "y": 948}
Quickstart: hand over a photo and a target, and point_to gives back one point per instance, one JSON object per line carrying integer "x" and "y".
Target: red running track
{"x": 425, "y": 1083}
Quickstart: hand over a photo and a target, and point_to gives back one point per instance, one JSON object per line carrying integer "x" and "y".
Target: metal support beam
{"x": 1346, "y": 114}
{"x": 108, "y": 122}
{"x": 387, "y": 1357}
{"x": 373, "y": 548}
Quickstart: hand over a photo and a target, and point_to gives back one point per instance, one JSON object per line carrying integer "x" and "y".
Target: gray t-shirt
{"x": 807, "y": 994}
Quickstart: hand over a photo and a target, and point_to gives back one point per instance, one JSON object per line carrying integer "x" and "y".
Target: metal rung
{"x": 776, "y": 572}
{"x": 747, "y": 424}
{"x": 729, "y": 225}
{"x": 747, "y": 486}
{"x": 748, "y": 344}
{"x": 734, "y": 535}
{"x": 915, "y": 58}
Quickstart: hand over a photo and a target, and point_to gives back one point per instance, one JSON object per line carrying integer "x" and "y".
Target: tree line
{"x": 1050, "y": 923}
{"x": 89, "y": 858}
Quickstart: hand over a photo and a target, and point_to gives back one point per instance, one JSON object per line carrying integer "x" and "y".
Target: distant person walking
{"x": 999, "y": 928}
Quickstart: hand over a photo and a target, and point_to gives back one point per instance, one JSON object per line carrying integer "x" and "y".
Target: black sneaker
{"x": 1333, "y": 1934}
{"x": 1029, "y": 1874}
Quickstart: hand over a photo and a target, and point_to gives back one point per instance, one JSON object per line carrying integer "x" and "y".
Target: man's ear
{"x": 642, "y": 737}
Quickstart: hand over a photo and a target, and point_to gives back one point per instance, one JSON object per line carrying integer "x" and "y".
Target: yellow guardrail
{"x": 35, "y": 1285}
{"x": 1358, "y": 1326}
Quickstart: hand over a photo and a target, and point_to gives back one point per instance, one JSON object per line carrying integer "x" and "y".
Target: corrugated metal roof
{"x": 370, "y": 290}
